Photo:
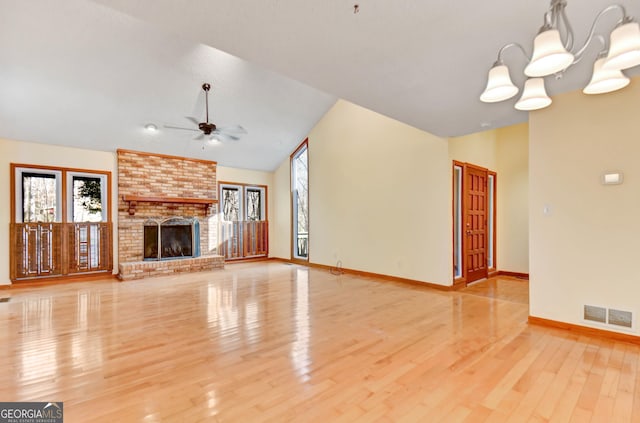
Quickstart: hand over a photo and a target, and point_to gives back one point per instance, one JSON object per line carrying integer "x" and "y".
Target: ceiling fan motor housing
{"x": 207, "y": 127}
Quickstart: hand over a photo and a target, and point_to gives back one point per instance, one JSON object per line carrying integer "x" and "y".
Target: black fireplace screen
{"x": 171, "y": 238}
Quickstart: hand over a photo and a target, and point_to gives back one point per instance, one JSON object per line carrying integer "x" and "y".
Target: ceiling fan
{"x": 225, "y": 133}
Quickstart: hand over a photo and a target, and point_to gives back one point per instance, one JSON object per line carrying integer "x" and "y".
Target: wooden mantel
{"x": 133, "y": 201}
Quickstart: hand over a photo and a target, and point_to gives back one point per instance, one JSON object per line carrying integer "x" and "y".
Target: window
{"x": 87, "y": 196}
{"x": 60, "y": 222}
{"x": 231, "y": 203}
{"x": 457, "y": 221}
{"x": 233, "y": 207}
{"x": 38, "y": 196}
{"x": 254, "y": 203}
{"x": 243, "y": 229}
{"x": 300, "y": 201}
{"x": 491, "y": 220}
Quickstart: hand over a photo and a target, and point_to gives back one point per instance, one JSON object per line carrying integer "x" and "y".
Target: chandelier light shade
{"x": 499, "y": 85}
{"x": 624, "y": 50}
{"x": 549, "y": 55}
{"x": 534, "y": 95}
{"x": 605, "y": 80}
{"x": 554, "y": 52}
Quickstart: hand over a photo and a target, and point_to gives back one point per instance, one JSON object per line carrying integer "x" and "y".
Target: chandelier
{"x": 554, "y": 52}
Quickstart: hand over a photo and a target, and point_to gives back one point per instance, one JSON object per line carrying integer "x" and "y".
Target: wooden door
{"x": 475, "y": 223}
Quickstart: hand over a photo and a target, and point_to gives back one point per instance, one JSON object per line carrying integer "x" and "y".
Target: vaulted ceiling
{"x": 92, "y": 73}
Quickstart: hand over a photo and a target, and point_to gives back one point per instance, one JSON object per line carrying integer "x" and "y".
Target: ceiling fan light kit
{"x": 554, "y": 52}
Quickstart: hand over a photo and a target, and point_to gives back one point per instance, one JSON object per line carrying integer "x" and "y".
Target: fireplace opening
{"x": 172, "y": 238}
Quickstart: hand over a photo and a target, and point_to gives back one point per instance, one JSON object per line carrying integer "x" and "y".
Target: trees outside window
{"x": 39, "y": 197}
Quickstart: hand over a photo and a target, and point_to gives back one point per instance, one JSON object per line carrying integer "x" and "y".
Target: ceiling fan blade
{"x": 233, "y": 129}
{"x": 199, "y": 137}
{"x": 192, "y": 119}
{"x": 221, "y": 136}
{"x": 180, "y": 127}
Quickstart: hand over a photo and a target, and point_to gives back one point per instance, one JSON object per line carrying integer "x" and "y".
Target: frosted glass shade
{"x": 624, "y": 50}
{"x": 605, "y": 80}
{"x": 549, "y": 55}
{"x": 499, "y": 85}
{"x": 534, "y": 96}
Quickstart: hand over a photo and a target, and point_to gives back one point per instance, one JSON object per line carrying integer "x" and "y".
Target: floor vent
{"x": 608, "y": 316}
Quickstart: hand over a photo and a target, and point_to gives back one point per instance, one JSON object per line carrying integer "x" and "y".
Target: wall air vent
{"x": 608, "y": 316}
{"x": 620, "y": 318}
{"x": 595, "y": 314}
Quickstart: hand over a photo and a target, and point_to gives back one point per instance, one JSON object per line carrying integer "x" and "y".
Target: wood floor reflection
{"x": 277, "y": 342}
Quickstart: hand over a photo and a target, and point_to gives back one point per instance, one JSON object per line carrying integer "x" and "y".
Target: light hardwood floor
{"x": 277, "y": 342}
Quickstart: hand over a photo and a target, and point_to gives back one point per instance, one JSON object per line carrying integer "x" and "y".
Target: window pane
{"x": 39, "y": 202}
{"x": 490, "y": 219}
{"x": 457, "y": 222}
{"x": 230, "y": 204}
{"x": 254, "y": 204}
{"x": 301, "y": 203}
{"x": 87, "y": 199}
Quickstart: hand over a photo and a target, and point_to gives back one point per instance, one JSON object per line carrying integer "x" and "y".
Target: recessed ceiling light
{"x": 485, "y": 124}
{"x": 151, "y": 127}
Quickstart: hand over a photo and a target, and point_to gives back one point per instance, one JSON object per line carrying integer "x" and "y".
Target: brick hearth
{"x": 143, "y": 269}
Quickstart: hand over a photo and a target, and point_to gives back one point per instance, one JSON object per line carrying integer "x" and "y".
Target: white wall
{"x": 479, "y": 149}
{"x": 48, "y": 155}
{"x": 280, "y": 225}
{"x": 513, "y": 198}
{"x": 243, "y": 176}
{"x": 585, "y": 249}
{"x": 380, "y": 196}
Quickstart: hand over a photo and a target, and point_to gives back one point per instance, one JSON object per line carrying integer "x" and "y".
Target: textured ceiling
{"x": 91, "y": 73}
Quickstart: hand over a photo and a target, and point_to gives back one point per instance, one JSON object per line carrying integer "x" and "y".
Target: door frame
{"x": 242, "y": 214}
{"x": 459, "y": 255}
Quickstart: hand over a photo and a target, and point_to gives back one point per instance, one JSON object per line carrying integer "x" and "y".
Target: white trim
{"x": 103, "y": 192}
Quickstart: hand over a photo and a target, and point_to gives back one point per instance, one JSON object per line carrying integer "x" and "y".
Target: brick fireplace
{"x": 160, "y": 188}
